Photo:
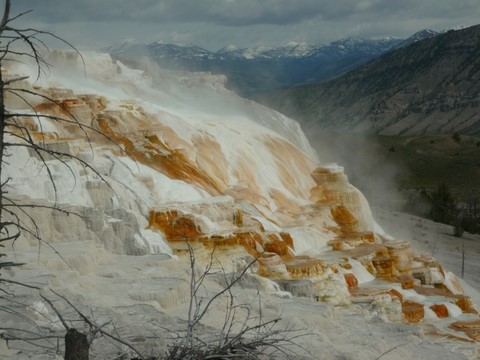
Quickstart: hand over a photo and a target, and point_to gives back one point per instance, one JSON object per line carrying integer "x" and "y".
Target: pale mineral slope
{"x": 180, "y": 157}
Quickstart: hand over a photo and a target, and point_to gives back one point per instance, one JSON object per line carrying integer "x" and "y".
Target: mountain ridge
{"x": 430, "y": 86}
{"x": 256, "y": 70}
{"x": 259, "y": 69}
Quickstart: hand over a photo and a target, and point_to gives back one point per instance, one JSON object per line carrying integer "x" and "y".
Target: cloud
{"x": 214, "y": 23}
{"x": 234, "y": 12}
{"x": 225, "y": 12}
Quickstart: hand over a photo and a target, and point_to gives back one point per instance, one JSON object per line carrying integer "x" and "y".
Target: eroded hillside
{"x": 429, "y": 87}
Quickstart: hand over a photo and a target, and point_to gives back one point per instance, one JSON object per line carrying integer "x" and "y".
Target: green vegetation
{"x": 443, "y": 205}
{"x": 456, "y": 136}
{"x": 429, "y": 161}
{"x": 442, "y": 171}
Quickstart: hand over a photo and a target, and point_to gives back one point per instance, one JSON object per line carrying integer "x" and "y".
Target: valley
{"x": 253, "y": 71}
{"x": 429, "y": 87}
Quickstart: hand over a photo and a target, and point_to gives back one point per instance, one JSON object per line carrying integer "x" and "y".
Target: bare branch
{"x": 19, "y": 15}
{"x": 15, "y": 80}
{"x": 241, "y": 337}
{"x": 6, "y": 14}
{"x": 59, "y": 314}
{"x": 95, "y": 327}
{"x": 19, "y": 283}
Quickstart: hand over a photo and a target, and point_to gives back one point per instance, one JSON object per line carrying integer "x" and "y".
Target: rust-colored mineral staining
{"x": 390, "y": 261}
{"x": 289, "y": 161}
{"x": 466, "y": 304}
{"x": 470, "y": 327}
{"x": 440, "y": 309}
{"x": 45, "y": 137}
{"x": 345, "y": 264}
{"x": 326, "y": 176}
{"x": 383, "y": 267}
{"x": 95, "y": 102}
{"x": 238, "y": 218}
{"x": 248, "y": 240}
{"x": 352, "y": 282}
{"x": 407, "y": 281}
{"x": 369, "y": 294}
{"x": 168, "y": 161}
{"x": 462, "y": 301}
{"x": 396, "y": 295}
{"x": 175, "y": 226}
{"x": 330, "y": 185}
{"x": 431, "y": 291}
{"x": 284, "y": 204}
{"x": 345, "y": 219}
{"x": 72, "y": 109}
{"x": 288, "y": 239}
{"x": 402, "y": 254}
{"x": 304, "y": 267}
{"x": 211, "y": 159}
{"x": 277, "y": 246}
{"x": 412, "y": 312}
{"x": 443, "y": 288}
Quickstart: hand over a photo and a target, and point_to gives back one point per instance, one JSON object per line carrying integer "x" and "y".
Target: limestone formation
{"x": 223, "y": 184}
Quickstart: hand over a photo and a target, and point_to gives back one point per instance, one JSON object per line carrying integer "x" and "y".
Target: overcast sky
{"x": 214, "y": 23}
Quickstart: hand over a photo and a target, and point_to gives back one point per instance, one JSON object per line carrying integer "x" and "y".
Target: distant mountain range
{"x": 426, "y": 87}
{"x": 257, "y": 70}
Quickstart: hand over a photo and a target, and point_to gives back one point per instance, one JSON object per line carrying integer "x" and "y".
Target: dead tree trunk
{"x": 76, "y": 345}
{"x": 2, "y": 128}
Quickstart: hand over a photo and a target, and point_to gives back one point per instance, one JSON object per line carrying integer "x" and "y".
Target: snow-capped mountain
{"x": 293, "y": 50}
{"x": 189, "y": 52}
{"x": 454, "y": 28}
{"x": 418, "y": 36}
{"x": 260, "y": 68}
{"x": 362, "y": 46}
{"x": 429, "y": 86}
{"x": 289, "y": 50}
{"x": 172, "y": 51}
{"x": 161, "y": 50}
{"x": 428, "y": 34}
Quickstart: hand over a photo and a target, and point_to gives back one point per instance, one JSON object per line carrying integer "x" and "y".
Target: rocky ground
{"x": 147, "y": 299}
{"x": 437, "y": 240}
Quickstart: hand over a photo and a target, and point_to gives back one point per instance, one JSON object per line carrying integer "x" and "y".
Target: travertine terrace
{"x": 186, "y": 160}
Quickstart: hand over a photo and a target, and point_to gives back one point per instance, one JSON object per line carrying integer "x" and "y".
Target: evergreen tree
{"x": 443, "y": 205}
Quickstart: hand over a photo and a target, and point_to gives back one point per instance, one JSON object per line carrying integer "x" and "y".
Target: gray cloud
{"x": 225, "y": 12}
{"x": 211, "y": 23}
{"x": 237, "y": 12}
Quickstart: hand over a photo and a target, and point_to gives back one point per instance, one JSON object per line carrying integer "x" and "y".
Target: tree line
{"x": 447, "y": 209}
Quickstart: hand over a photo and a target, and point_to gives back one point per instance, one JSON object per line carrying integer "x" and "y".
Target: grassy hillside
{"x": 432, "y": 160}
{"x": 392, "y": 170}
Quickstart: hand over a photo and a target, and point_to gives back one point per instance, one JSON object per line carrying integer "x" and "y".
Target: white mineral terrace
{"x": 204, "y": 165}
